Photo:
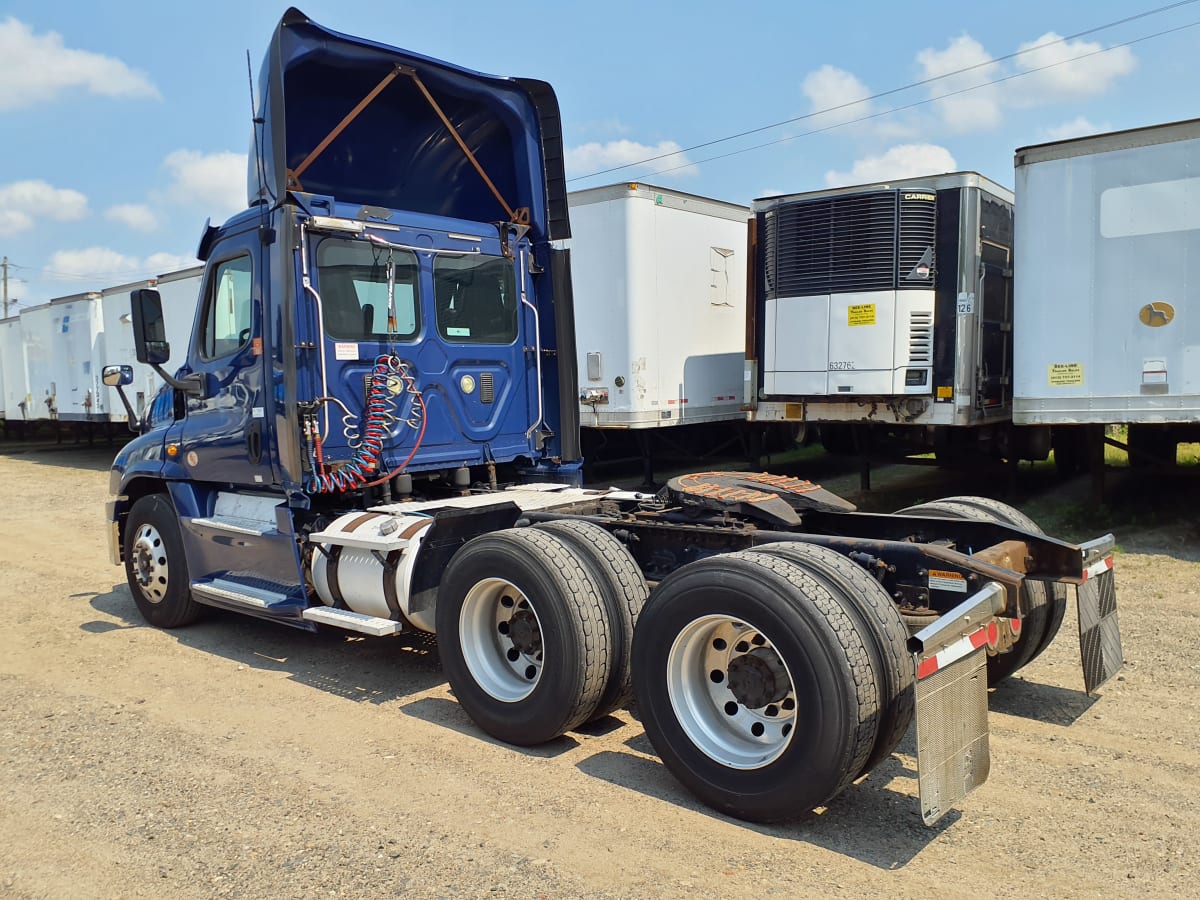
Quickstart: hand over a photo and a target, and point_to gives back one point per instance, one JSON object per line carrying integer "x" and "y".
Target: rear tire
{"x": 876, "y": 617}
{"x": 754, "y": 686}
{"x": 1045, "y": 604}
{"x": 523, "y": 635}
{"x": 624, "y": 592}
{"x": 155, "y": 565}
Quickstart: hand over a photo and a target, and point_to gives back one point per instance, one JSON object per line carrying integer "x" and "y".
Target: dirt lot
{"x": 237, "y": 758}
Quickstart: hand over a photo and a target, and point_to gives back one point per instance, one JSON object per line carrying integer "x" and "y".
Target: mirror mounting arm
{"x": 192, "y": 385}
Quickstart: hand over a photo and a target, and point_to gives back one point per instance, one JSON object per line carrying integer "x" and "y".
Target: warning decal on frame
{"x": 947, "y": 581}
{"x": 860, "y": 314}
{"x": 1064, "y": 374}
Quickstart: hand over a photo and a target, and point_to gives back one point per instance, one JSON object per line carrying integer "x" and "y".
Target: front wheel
{"x": 155, "y": 565}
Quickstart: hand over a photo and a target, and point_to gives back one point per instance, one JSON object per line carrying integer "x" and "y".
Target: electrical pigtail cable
{"x": 380, "y": 413}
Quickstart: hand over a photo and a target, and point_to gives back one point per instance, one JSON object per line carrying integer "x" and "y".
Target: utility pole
{"x": 4, "y": 266}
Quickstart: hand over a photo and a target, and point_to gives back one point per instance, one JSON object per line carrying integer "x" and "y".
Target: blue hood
{"x": 397, "y": 152}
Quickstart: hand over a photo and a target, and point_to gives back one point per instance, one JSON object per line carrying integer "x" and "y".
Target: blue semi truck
{"x": 375, "y": 429}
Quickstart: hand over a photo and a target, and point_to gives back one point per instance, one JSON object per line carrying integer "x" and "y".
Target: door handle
{"x": 254, "y": 442}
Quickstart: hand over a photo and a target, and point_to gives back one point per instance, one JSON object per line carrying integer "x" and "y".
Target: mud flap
{"x": 1099, "y": 632}
{"x": 951, "y": 692}
{"x": 952, "y": 734}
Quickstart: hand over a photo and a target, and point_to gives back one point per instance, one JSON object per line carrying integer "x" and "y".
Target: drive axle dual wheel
{"x": 534, "y": 628}
{"x": 1044, "y": 604}
{"x": 755, "y": 686}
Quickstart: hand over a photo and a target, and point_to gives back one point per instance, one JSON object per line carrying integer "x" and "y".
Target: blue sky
{"x": 123, "y": 125}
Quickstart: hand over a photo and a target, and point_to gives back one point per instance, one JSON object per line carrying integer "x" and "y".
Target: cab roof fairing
{"x": 396, "y": 152}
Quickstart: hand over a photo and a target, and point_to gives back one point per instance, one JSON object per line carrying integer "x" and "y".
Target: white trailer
{"x": 14, "y": 382}
{"x": 63, "y": 340}
{"x": 180, "y": 292}
{"x": 886, "y": 308}
{"x": 659, "y": 282}
{"x": 1108, "y": 288}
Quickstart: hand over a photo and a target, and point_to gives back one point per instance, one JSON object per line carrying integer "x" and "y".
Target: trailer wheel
{"x": 754, "y": 686}
{"x": 876, "y": 617}
{"x": 624, "y": 592}
{"x": 155, "y": 565}
{"x": 1045, "y": 605}
{"x": 523, "y": 635}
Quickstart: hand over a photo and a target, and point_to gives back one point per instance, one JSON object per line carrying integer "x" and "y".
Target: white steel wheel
{"x": 754, "y": 686}
{"x": 151, "y": 569}
{"x": 501, "y": 638}
{"x": 155, "y": 565}
{"x": 731, "y": 692}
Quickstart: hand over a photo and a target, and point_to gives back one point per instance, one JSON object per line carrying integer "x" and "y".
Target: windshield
{"x": 352, "y": 278}
{"x": 476, "y": 299}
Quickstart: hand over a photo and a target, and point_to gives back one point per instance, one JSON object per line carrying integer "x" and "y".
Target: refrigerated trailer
{"x": 886, "y": 308}
{"x": 1108, "y": 290}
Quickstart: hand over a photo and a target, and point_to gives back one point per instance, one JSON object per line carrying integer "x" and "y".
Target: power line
{"x": 897, "y": 90}
{"x": 895, "y": 109}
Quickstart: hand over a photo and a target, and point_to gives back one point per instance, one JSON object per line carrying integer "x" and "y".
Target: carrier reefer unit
{"x": 660, "y": 298}
{"x": 884, "y": 305}
{"x": 180, "y": 292}
{"x": 1108, "y": 286}
{"x": 62, "y": 339}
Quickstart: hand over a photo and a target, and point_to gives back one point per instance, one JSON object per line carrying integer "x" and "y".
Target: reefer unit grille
{"x": 875, "y": 241}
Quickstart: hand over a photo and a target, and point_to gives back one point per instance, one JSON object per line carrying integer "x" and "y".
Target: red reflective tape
{"x": 979, "y": 638}
{"x": 927, "y": 667}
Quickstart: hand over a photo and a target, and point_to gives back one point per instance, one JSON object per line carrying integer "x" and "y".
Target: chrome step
{"x": 236, "y": 525}
{"x": 352, "y": 621}
{"x": 225, "y": 591}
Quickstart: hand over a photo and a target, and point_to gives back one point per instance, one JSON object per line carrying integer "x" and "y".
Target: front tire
{"x": 155, "y": 565}
{"x": 523, "y": 635}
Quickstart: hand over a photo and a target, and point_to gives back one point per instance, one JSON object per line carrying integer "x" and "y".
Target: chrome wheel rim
{"x": 149, "y": 557}
{"x": 731, "y": 691}
{"x": 501, "y": 639}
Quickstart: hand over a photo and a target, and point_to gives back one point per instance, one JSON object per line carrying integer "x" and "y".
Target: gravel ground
{"x": 243, "y": 759}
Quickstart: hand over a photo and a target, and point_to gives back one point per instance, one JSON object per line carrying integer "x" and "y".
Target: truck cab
{"x": 388, "y": 307}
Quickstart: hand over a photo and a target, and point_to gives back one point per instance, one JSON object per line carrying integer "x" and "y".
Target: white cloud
{"x": 23, "y": 202}
{"x": 1077, "y": 127}
{"x": 137, "y": 216}
{"x": 836, "y": 90}
{"x": 901, "y": 161}
{"x": 592, "y": 157}
{"x": 215, "y": 182}
{"x": 14, "y": 221}
{"x": 161, "y": 263}
{"x": 976, "y": 109}
{"x": 104, "y": 265}
{"x": 35, "y": 68}
{"x": 1067, "y": 80}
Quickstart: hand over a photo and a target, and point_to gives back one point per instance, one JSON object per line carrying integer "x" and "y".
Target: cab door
{"x": 224, "y": 435}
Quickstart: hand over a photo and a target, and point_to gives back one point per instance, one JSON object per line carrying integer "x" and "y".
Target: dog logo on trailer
{"x": 1156, "y": 314}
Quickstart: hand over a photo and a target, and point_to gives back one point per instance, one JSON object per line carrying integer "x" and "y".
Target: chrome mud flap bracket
{"x": 951, "y": 696}
{"x": 1099, "y": 632}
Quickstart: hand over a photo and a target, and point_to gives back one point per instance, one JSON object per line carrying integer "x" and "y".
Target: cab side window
{"x": 228, "y": 309}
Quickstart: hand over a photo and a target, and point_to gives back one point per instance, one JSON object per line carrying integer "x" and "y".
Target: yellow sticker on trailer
{"x": 1064, "y": 374}
{"x": 860, "y": 314}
